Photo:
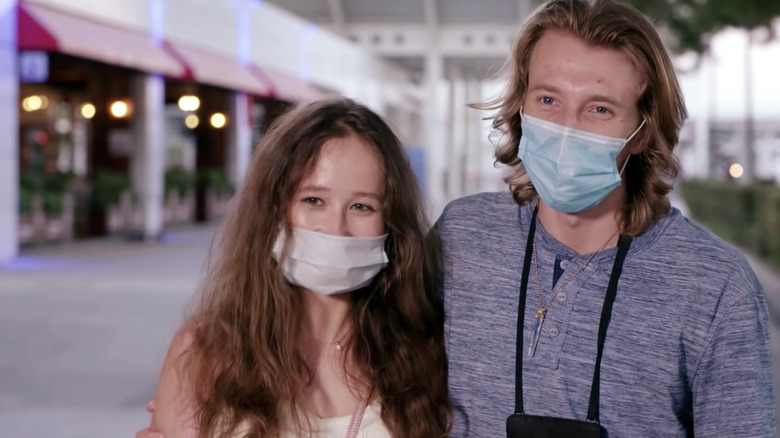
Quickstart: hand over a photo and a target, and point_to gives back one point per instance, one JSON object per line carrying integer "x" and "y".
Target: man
{"x": 589, "y": 121}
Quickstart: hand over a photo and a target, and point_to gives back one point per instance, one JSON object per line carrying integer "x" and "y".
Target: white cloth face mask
{"x": 328, "y": 264}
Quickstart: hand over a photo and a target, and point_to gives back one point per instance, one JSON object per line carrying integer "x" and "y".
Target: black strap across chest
{"x": 624, "y": 243}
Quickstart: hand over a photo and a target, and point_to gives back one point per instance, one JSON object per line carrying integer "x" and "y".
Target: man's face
{"x": 594, "y": 89}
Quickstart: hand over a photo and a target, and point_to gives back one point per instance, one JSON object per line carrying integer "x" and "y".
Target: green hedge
{"x": 32, "y": 181}
{"x": 53, "y": 203}
{"x": 25, "y": 200}
{"x": 215, "y": 179}
{"x": 108, "y": 185}
{"x": 51, "y": 186}
{"x": 748, "y": 216}
{"x": 179, "y": 180}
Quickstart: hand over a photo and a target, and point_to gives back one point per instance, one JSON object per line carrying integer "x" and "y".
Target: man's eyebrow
{"x": 604, "y": 98}
{"x": 545, "y": 87}
{"x": 592, "y": 97}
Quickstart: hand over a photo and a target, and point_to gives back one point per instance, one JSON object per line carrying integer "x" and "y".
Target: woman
{"x": 316, "y": 315}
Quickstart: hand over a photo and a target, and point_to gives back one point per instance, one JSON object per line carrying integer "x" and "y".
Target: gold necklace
{"x": 542, "y": 312}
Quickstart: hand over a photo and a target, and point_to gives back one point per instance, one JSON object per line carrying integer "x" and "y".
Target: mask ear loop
{"x": 625, "y": 163}
{"x": 636, "y": 130}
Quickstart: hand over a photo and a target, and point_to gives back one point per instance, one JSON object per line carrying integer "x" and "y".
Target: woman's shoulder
{"x": 175, "y": 403}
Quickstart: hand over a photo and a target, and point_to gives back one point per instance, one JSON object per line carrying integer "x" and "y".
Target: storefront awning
{"x": 52, "y": 30}
{"x": 288, "y": 87}
{"x": 214, "y": 69}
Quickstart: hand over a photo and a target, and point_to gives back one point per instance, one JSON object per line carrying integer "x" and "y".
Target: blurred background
{"x": 127, "y": 125}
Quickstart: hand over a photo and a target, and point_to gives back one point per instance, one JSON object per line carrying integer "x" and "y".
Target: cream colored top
{"x": 372, "y": 426}
{"x": 336, "y": 427}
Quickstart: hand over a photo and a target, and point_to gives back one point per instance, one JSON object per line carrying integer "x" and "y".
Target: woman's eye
{"x": 363, "y": 207}
{"x": 547, "y": 100}
{"x": 312, "y": 200}
{"x": 602, "y": 110}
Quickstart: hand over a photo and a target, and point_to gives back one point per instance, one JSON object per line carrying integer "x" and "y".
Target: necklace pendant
{"x": 540, "y": 314}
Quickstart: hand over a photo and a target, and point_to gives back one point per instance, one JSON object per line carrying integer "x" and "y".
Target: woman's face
{"x": 343, "y": 195}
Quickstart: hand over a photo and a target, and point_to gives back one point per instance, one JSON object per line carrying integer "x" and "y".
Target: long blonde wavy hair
{"x": 602, "y": 23}
{"x": 245, "y": 360}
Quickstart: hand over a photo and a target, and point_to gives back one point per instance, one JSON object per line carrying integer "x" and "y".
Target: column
{"x": 148, "y": 161}
{"x": 403, "y": 127}
{"x": 458, "y": 127}
{"x": 373, "y": 95}
{"x": 434, "y": 135}
{"x": 701, "y": 129}
{"x": 702, "y": 148}
{"x": 239, "y": 148}
{"x": 9, "y": 134}
{"x": 476, "y": 152}
{"x": 710, "y": 90}
{"x": 749, "y": 154}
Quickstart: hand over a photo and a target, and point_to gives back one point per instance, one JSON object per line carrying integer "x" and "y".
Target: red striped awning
{"x": 288, "y": 87}
{"x": 215, "y": 69}
{"x": 53, "y": 30}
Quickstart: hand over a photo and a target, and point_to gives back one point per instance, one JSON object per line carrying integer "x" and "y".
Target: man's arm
{"x": 733, "y": 392}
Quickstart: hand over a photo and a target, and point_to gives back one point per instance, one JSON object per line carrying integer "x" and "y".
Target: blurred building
{"x": 710, "y": 149}
{"x": 126, "y": 116}
{"x": 456, "y": 49}
{"x": 731, "y": 87}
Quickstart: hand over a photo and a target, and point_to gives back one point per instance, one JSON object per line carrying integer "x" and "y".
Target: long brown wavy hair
{"x": 245, "y": 360}
{"x": 602, "y": 23}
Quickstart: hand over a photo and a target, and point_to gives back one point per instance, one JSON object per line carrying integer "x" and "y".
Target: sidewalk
{"x": 86, "y": 326}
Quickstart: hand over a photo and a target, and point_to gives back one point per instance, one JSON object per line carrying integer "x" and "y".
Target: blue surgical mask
{"x": 571, "y": 170}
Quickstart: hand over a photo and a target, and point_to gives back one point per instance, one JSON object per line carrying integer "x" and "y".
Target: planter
{"x": 124, "y": 215}
{"x": 179, "y": 209}
{"x": 37, "y": 226}
{"x": 55, "y": 229}
{"x": 26, "y": 229}
{"x": 217, "y": 203}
